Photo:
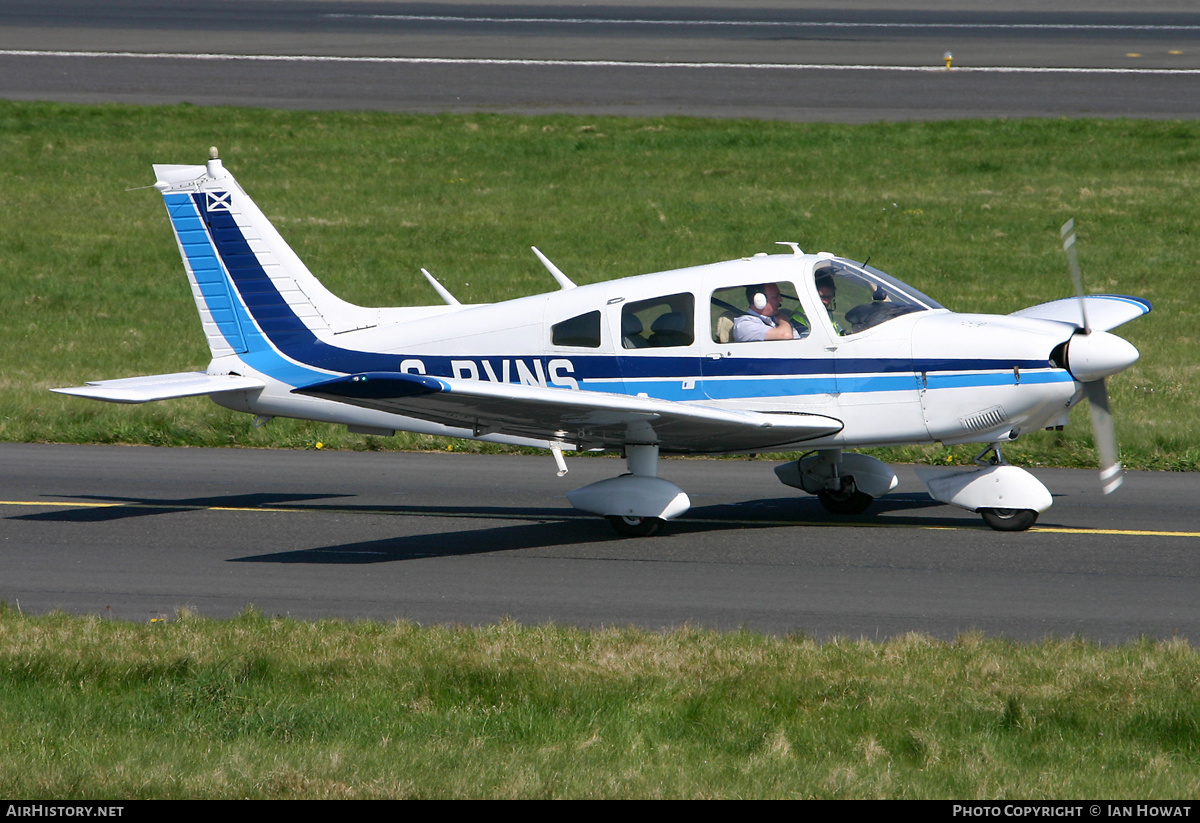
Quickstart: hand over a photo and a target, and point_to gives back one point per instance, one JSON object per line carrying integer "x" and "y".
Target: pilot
{"x": 827, "y": 290}
{"x": 766, "y": 319}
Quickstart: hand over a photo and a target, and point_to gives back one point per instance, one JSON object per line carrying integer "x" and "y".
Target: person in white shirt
{"x": 766, "y": 319}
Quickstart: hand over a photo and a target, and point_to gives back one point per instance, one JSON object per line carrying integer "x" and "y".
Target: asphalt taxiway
{"x": 138, "y": 532}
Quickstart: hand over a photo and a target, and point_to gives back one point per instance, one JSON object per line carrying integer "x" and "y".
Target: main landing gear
{"x": 635, "y": 504}
{"x": 627, "y": 526}
{"x": 844, "y": 483}
{"x": 847, "y": 500}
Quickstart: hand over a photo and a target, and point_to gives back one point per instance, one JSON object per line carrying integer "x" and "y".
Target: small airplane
{"x": 780, "y": 352}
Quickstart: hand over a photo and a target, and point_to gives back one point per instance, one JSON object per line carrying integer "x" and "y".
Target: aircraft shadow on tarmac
{"x": 126, "y": 507}
{"x": 553, "y": 527}
{"x": 558, "y": 528}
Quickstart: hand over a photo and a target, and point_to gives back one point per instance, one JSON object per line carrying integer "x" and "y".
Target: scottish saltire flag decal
{"x": 217, "y": 200}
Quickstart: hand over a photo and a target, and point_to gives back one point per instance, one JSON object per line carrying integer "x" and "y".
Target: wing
{"x": 587, "y": 419}
{"x": 162, "y": 387}
{"x": 1104, "y": 311}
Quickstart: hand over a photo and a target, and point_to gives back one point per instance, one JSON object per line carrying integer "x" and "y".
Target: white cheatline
{"x": 486, "y": 61}
{"x": 796, "y": 24}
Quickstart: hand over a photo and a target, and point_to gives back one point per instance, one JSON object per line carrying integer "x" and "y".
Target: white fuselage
{"x": 927, "y": 376}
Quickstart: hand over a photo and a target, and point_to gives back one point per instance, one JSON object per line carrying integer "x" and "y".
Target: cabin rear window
{"x": 582, "y": 331}
{"x": 660, "y": 322}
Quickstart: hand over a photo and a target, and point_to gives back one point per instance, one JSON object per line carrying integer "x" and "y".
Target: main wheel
{"x": 1009, "y": 520}
{"x": 635, "y": 526}
{"x": 842, "y": 502}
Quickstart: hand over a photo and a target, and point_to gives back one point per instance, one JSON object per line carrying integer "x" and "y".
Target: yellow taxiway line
{"x": 494, "y": 516}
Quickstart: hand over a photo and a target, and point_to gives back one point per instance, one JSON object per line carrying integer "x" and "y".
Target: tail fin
{"x": 250, "y": 287}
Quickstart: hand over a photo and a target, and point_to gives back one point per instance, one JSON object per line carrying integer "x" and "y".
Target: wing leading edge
{"x": 586, "y": 419}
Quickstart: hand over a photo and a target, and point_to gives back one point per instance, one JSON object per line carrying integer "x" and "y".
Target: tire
{"x": 854, "y": 502}
{"x": 1009, "y": 520}
{"x": 635, "y": 526}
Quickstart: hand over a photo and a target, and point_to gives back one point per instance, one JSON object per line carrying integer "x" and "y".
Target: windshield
{"x": 859, "y": 297}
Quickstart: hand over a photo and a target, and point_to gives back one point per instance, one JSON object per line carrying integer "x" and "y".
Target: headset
{"x": 758, "y": 300}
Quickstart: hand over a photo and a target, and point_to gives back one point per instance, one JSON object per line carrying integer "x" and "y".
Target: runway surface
{"x": 137, "y": 532}
{"x": 804, "y": 61}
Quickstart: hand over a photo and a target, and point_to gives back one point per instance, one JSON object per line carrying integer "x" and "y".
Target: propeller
{"x": 1096, "y": 392}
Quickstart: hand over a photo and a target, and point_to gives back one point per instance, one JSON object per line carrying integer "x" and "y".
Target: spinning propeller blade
{"x": 1103, "y": 431}
{"x": 1111, "y": 477}
{"x": 1068, "y": 236}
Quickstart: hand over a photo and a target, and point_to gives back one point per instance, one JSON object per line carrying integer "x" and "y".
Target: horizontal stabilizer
{"x": 1104, "y": 311}
{"x": 590, "y": 419}
{"x": 162, "y": 387}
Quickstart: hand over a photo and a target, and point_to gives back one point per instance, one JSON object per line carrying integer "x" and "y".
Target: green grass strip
{"x": 274, "y": 708}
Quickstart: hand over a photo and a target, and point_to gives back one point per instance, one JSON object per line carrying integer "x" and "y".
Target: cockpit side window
{"x": 756, "y": 311}
{"x": 659, "y": 322}
{"x": 582, "y": 331}
{"x": 856, "y": 299}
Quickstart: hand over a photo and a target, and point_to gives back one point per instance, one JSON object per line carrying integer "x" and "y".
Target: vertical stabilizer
{"x": 250, "y": 288}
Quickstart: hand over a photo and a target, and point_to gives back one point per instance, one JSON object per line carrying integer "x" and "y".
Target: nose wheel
{"x": 1009, "y": 520}
{"x": 1008, "y": 498}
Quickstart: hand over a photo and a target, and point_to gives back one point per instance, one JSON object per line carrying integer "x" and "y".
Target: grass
{"x": 273, "y": 708}
{"x": 966, "y": 211}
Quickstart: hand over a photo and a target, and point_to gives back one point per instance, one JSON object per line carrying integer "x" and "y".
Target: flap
{"x": 587, "y": 419}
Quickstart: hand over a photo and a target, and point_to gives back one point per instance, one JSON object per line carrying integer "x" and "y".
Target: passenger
{"x": 766, "y": 319}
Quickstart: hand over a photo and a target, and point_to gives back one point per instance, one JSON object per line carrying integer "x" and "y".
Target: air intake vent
{"x": 986, "y": 419}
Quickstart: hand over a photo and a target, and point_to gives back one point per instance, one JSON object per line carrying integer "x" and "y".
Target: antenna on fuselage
{"x": 445, "y": 294}
{"x": 795, "y": 247}
{"x": 555, "y": 271}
